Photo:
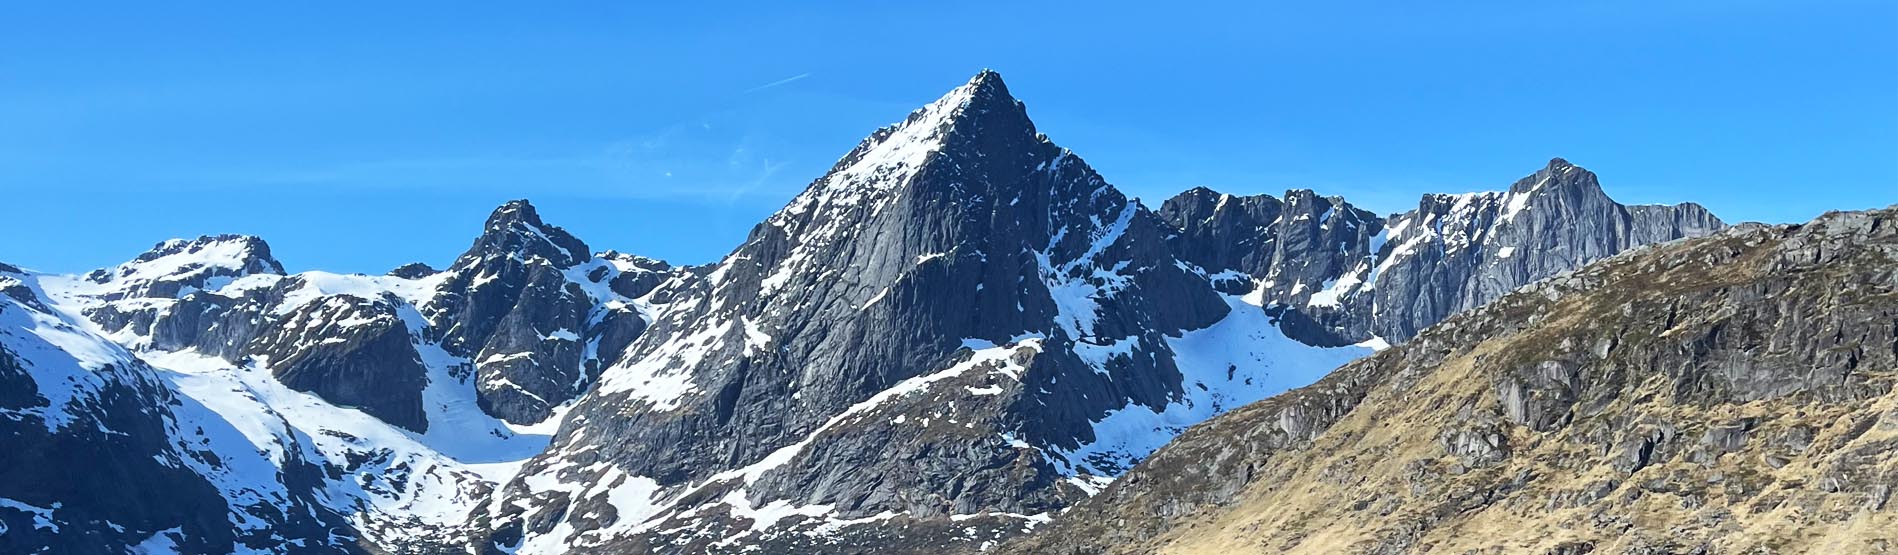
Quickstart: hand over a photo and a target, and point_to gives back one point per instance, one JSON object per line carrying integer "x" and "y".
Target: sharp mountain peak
{"x": 515, "y": 228}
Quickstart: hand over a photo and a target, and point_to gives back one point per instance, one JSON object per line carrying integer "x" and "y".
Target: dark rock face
{"x": 1665, "y": 400}
{"x": 1456, "y": 252}
{"x": 535, "y": 313}
{"x": 828, "y": 361}
{"x": 97, "y": 459}
{"x": 352, "y": 352}
{"x": 1337, "y": 275}
{"x": 413, "y": 270}
{"x": 216, "y": 324}
{"x": 532, "y": 359}
{"x": 1304, "y": 256}
{"x": 62, "y": 484}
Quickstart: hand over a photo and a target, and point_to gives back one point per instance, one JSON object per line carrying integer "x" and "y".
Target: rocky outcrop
{"x": 1716, "y": 395}
{"x": 413, "y": 270}
{"x": 352, "y": 352}
{"x": 531, "y": 308}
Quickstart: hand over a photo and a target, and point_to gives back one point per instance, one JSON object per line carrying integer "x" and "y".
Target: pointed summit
{"x": 516, "y": 229}
{"x": 1564, "y": 175}
{"x": 977, "y": 121}
{"x": 988, "y": 86}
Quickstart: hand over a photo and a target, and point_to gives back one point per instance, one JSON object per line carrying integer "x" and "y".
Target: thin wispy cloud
{"x": 780, "y": 82}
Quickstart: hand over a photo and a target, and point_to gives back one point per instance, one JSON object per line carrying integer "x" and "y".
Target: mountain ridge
{"x": 958, "y": 331}
{"x": 1632, "y": 406}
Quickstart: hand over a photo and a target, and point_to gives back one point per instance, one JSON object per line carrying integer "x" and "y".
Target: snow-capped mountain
{"x": 958, "y": 331}
{"x": 380, "y": 403}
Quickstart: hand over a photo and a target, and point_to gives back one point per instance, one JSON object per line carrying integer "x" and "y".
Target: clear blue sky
{"x": 356, "y": 138}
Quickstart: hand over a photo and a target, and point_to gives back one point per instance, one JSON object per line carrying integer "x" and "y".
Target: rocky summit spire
{"x": 977, "y": 118}
{"x": 1559, "y": 176}
{"x": 509, "y": 305}
{"x": 516, "y": 229}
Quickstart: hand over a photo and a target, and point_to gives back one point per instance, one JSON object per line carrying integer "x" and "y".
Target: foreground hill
{"x": 1730, "y": 394}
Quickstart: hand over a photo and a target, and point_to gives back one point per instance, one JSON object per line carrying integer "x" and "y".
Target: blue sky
{"x": 359, "y": 137}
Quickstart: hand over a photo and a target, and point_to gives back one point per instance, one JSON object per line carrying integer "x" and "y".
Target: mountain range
{"x": 959, "y": 339}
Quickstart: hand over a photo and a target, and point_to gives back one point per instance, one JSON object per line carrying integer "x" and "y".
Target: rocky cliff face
{"x": 1306, "y": 257}
{"x": 1337, "y": 275}
{"x": 510, "y": 305}
{"x": 1728, "y": 394}
{"x": 352, "y": 352}
{"x": 1456, "y": 252}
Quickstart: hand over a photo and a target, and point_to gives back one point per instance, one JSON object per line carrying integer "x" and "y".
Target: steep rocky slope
{"x": 1730, "y": 394}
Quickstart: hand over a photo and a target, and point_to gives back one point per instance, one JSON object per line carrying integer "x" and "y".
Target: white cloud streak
{"x": 780, "y": 82}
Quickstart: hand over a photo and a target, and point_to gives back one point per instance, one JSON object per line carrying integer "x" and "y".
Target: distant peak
{"x": 171, "y": 267}
{"x": 886, "y": 159}
{"x": 988, "y": 78}
{"x": 516, "y": 228}
{"x": 512, "y": 211}
{"x": 246, "y": 252}
{"x": 413, "y": 270}
{"x": 1559, "y": 174}
{"x": 983, "y": 92}
{"x": 1201, "y": 191}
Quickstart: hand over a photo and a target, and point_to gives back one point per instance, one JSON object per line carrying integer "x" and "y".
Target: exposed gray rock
{"x": 1457, "y": 252}
{"x": 1337, "y": 275}
{"x": 536, "y": 313}
{"x": 413, "y": 270}
{"x": 352, "y": 352}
